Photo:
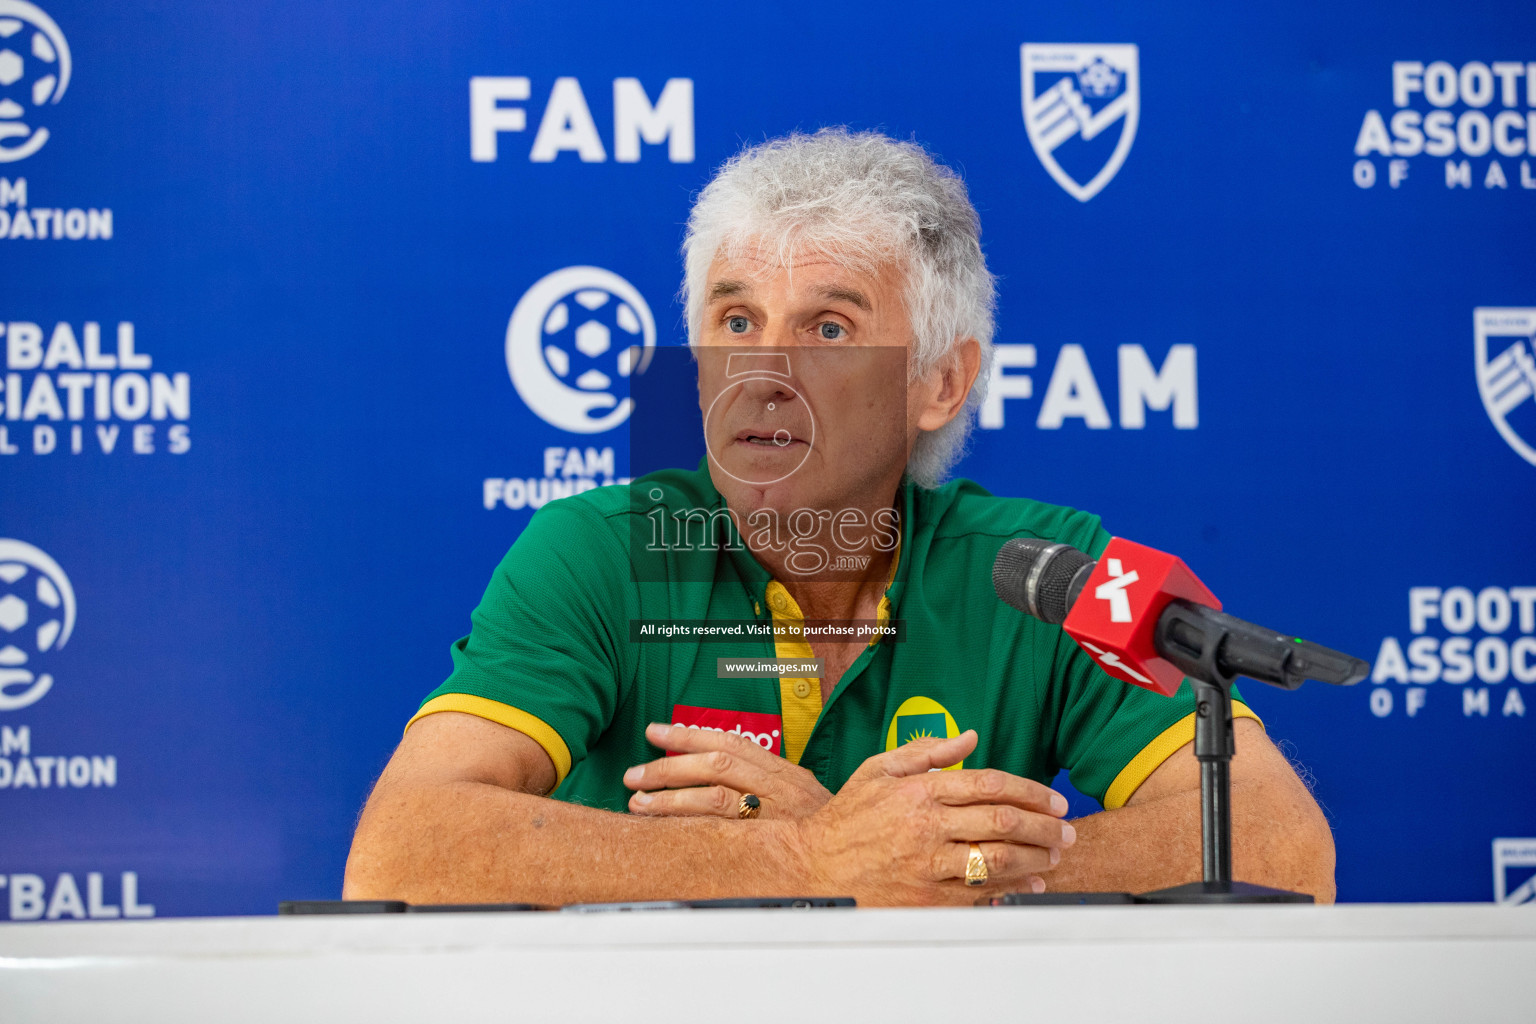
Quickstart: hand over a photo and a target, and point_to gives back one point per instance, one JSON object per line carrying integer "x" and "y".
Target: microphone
{"x": 1149, "y": 621}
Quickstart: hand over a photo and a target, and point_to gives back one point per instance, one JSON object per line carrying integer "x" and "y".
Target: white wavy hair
{"x": 864, "y": 199}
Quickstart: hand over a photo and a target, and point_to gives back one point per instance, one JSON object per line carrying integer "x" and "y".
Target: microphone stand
{"x": 1191, "y": 641}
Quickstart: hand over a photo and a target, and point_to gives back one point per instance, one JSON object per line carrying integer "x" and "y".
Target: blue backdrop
{"x": 1267, "y": 301}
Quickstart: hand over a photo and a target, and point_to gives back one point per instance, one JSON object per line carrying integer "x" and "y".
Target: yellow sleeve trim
{"x": 1155, "y": 753}
{"x": 535, "y": 728}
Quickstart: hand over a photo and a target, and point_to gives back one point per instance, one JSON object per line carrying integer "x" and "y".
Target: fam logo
{"x": 919, "y": 718}
{"x": 34, "y": 71}
{"x": 1479, "y": 117}
{"x": 1074, "y": 392}
{"x": 1074, "y": 93}
{"x": 1514, "y": 871}
{"x": 1505, "y": 342}
{"x": 37, "y": 615}
{"x": 573, "y": 341}
{"x": 496, "y": 106}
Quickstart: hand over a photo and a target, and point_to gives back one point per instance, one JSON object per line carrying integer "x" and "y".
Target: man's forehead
{"x": 820, "y": 273}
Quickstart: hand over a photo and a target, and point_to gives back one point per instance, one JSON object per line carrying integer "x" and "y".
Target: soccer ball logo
{"x": 592, "y": 338}
{"x": 34, "y": 70}
{"x": 1099, "y": 80}
{"x": 574, "y": 340}
{"x": 37, "y": 615}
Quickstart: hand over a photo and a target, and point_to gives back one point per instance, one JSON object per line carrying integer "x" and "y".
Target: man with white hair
{"x": 840, "y": 311}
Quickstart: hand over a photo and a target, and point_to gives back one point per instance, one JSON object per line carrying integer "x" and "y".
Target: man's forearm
{"x": 1276, "y": 840}
{"x": 475, "y": 842}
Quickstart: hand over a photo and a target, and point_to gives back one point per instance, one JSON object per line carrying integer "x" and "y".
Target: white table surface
{"x": 1362, "y": 963}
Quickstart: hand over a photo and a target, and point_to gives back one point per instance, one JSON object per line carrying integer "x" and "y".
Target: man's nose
{"x": 767, "y": 387}
{"x": 765, "y": 374}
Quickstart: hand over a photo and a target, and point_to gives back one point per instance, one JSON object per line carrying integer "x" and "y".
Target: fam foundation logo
{"x": 1514, "y": 871}
{"x": 1505, "y": 344}
{"x": 35, "y": 68}
{"x": 34, "y": 72}
{"x": 574, "y": 340}
{"x": 37, "y": 616}
{"x": 1478, "y": 118}
{"x": 919, "y": 718}
{"x": 1082, "y": 102}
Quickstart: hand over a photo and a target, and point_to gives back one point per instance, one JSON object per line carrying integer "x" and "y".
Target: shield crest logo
{"x": 1505, "y": 341}
{"x": 1514, "y": 871}
{"x": 1074, "y": 94}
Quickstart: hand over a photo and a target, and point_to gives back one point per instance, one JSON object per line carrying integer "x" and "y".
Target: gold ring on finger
{"x": 748, "y": 806}
{"x": 975, "y": 867}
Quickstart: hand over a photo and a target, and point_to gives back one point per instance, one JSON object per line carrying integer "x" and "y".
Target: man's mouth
{"x": 767, "y": 439}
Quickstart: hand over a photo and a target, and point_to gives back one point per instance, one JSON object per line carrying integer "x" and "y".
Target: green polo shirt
{"x": 552, "y": 650}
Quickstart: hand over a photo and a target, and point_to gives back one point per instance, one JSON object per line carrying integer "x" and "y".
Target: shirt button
{"x": 779, "y": 602}
{"x": 802, "y": 689}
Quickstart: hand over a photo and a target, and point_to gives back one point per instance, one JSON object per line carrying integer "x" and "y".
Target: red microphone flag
{"x": 1116, "y": 616}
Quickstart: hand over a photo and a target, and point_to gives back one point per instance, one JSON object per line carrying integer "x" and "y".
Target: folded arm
{"x": 460, "y": 816}
{"x": 1279, "y": 836}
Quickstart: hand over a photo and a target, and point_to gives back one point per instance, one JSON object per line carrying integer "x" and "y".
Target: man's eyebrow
{"x": 724, "y": 289}
{"x": 847, "y": 295}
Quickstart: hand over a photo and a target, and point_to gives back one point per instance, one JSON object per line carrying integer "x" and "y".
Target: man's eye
{"x": 831, "y": 331}
{"x": 738, "y": 325}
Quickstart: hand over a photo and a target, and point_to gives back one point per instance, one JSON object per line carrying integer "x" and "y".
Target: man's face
{"x": 803, "y": 383}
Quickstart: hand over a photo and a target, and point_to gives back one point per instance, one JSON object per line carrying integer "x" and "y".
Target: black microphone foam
{"x": 1035, "y": 576}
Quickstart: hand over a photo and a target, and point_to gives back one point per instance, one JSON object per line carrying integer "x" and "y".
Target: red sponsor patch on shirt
{"x": 764, "y": 730}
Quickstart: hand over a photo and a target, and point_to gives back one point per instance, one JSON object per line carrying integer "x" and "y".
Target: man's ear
{"x": 955, "y": 380}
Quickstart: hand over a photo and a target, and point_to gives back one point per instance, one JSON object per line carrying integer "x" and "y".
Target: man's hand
{"x": 898, "y": 833}
{"x": 458, "y": 817}
{"x": 712, "y": 771}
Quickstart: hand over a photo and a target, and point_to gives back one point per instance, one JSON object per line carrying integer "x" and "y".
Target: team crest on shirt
{"x": 919, "y": 718}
